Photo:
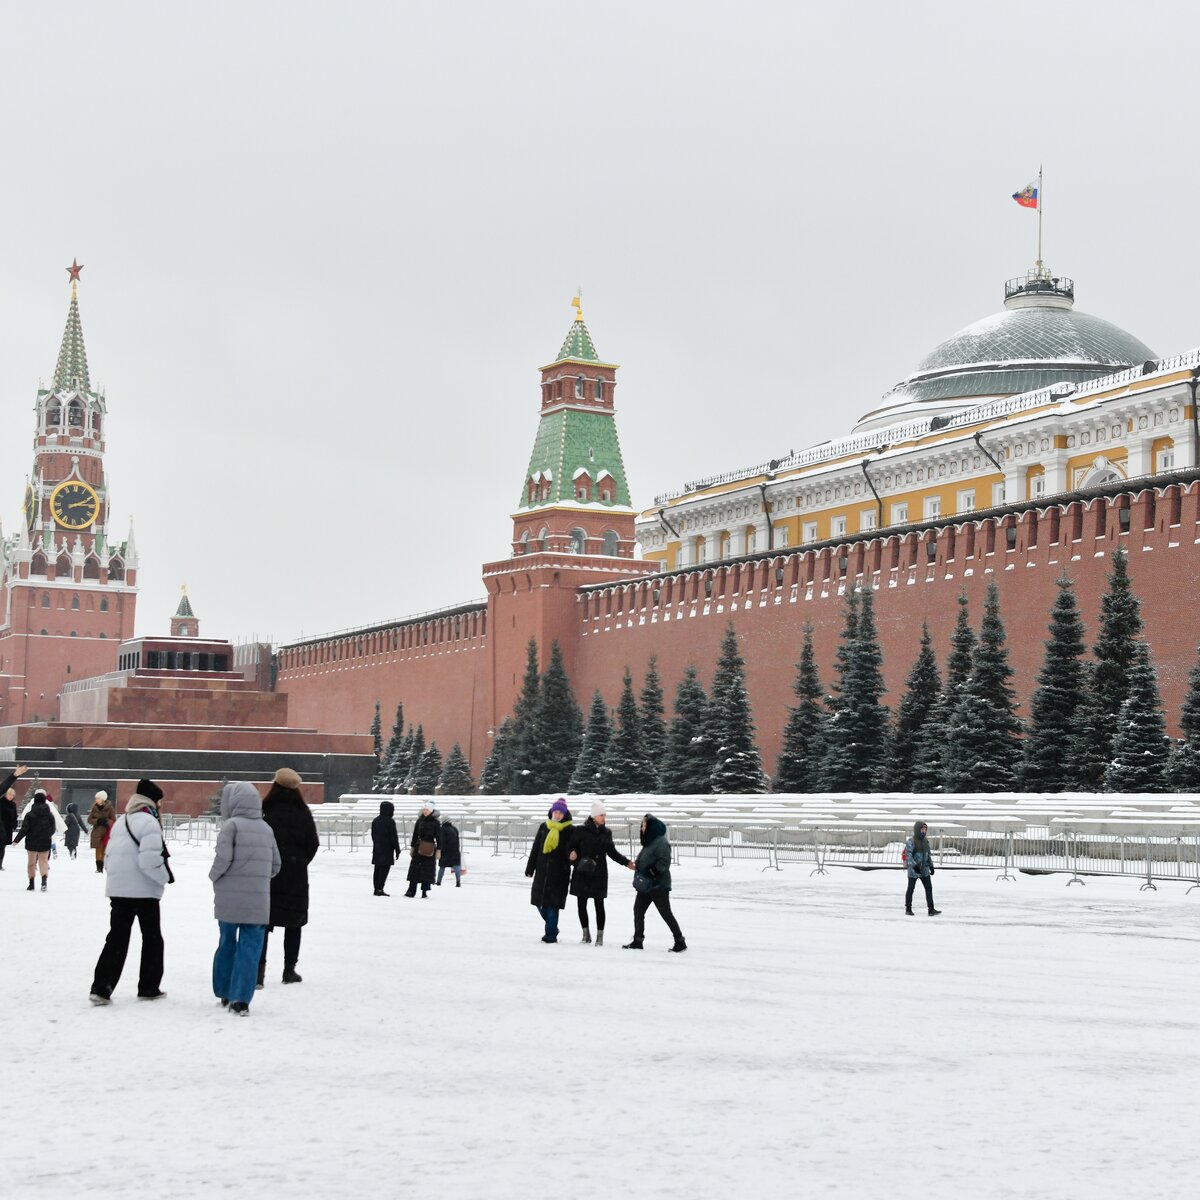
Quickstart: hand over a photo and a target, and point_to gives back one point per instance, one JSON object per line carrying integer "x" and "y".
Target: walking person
{"x": 451, "y": 856}
{"x": 8, "y": 810}
{"x": 295, "y": 831}
{"x": 100, "y": 817}
{"x": 918, "y": 858}
{"x": 591, "y": 848}
{"x": 652, "y": 881}
{"x": 75, "y": 827}
{"x": 246, "y": 861}
{"x": 550, "y": 868}
{"x": 426, "y": 841}
{"x": 385, "y": 844}
{"x": 137, "y": 874}
{"x": 38, "y": 830}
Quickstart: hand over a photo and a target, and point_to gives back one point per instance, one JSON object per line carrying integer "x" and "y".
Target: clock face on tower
{"x": 74, "y": 504}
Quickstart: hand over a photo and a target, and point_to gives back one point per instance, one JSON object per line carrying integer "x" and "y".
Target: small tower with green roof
{"x": 574, "y": 497}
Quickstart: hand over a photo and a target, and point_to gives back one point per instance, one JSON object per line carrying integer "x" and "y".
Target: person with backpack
{"x": 591, "y": 848}
{"x": 37, "y": 830}
{"x": 246, "y": 861}
{"x": 652, "y": 882}
{"x": 451, "y": 856}
{"x": 385, "y": 844}
{"x": 134, "y": 882}
{"x": 426, "y": 841}
{"x": 918, "y": 859}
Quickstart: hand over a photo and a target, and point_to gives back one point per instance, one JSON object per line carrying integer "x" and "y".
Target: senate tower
{"x": 67, "y": 585}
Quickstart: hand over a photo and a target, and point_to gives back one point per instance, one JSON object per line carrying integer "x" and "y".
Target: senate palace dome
{"x": 1039, "y": 340}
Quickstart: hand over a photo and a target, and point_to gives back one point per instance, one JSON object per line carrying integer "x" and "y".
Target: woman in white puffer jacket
{"x": 136, "y": 873}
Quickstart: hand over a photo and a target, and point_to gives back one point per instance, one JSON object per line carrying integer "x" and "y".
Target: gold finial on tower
{"x": 577, "y": 301}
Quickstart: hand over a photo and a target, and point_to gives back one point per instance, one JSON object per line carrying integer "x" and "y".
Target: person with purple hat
{"x": 550, "y": 868}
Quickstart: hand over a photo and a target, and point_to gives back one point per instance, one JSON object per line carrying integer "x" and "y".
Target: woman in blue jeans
{"x": 549, "y": 867}
{"x": 247, "y": 859}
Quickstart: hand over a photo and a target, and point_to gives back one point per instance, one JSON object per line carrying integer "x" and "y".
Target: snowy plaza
{"x": 1035, "y": 1039}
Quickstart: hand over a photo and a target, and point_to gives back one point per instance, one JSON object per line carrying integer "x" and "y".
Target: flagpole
{"x": 1039, "y": 204}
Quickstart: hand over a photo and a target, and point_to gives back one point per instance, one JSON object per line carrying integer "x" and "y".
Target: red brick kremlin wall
{"x": 678, "y": 619}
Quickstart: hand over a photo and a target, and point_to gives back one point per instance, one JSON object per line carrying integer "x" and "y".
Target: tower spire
{"x": 71, "y": 370}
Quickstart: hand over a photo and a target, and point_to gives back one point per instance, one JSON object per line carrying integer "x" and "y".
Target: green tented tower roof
{"x": 570, "y": 441}
{"x": 71, "y": 370}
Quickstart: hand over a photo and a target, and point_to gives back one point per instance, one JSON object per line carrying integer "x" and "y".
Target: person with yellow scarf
{"x": 550, "y": 868}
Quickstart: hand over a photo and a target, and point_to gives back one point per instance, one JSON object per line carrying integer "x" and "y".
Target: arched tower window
{"x": 580, "y": 383}
{"x": 38, "y": 565}
{"x": 75, "y": 414}
{"x": 74, "y": 603}
{"x": 45, "y": 599}
{"x": 599, "y": 389}
{"x": 578, "y": 541}
{"x": 91, "y": 568}
{"x": 116, "y": 569}
{"x": 53, "y": 414}
{"x": 542, "y": 538}
{"x": 104, "y": 604}
{"x": 62, "y": 568}
{"x": 611, "y": 542}
{"x": 525, "y": 542}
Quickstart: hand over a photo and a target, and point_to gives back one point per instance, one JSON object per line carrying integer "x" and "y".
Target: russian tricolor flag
{"x": 1027, "y": 197}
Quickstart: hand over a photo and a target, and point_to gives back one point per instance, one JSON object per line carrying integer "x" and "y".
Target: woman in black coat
{"x": 591, "y": 848}
{"x": 75, "y": 827}
{"x": 451, "y": 856}
{"x": 550, "y": 868}
{"x": 385, "y": 844}
{"x": 296, "y": 836}
{"x": 426, "y": 840}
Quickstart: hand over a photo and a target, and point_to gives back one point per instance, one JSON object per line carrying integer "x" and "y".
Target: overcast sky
{"x": 327, "y": 247}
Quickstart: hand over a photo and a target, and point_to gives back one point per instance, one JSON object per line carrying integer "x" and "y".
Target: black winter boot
{"x": 599, "y": 937}
{"x": 634, "y": 945}
{"x": 100, "y": 868}
{"x": 908, "y": 909}
{"x": 679, "y": 947}
{"x": 587, "y": 936}
{"x": 935, "y": 912}
{"x": 43, "y": 883}
{"x": 262, "y": 976}
{"x": 30, "y": 887}
{"x": 289, "y": 974}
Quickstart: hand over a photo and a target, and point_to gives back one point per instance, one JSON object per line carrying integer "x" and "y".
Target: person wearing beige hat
{"x": 285, "y": 811}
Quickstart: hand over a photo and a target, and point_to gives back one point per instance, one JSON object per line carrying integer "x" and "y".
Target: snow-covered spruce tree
{"x": 1139, "y": 744}
{"x": 688, "y": 760}
{"x": 627, "y": 767}
{"x": 1183, "y": 771}
{"x": 737, "y": 767}
{"x": 492, "y": 779}
{"x": 385, "y": 775}
{"x": 1046, "y": 752}
{"x": 1116, "y": 648}
{"x": 558, "y": 728}
{"x": 984, "y": 747}
{"x": 799, "y": 767}
{"x": 654, "y": 725}
{"x": 455, "y": 779}
{"x": 416, "y": 751}
{"x": 586, "y": 776}
{"x": 377, "y": 737}
{"x": 962, "y": 650}
{"x": 1089, "y": 742}
{"x": 427, "y": 773}
{"x": 921, "y": 693}
{"x": 521, "y": 779}
{"x": 930, "y": 763}
{"x": 856, "y": 736}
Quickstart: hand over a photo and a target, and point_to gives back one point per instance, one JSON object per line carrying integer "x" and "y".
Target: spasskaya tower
{"x": 67, "y": 587}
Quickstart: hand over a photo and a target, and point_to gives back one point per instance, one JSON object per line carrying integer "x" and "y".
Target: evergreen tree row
{"x": 406, "y": 764}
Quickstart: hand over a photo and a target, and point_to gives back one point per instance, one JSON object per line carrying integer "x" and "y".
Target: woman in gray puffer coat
{"x": 247, "y": 860}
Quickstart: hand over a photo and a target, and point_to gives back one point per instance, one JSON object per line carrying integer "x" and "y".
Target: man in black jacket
{"x": 8, "y": 810}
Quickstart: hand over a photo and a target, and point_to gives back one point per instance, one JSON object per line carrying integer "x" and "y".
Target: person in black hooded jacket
{"x": 385, "y": 844}
{"x": 290, "y": 819}
{"x": 426, "y": 841}
{"x": 654, "y": 868}
{"x": 75, "y": 827}
{"x": 451, "y": 855}
{"x": 591, "y": 846}
{"x": 38, "y": 828}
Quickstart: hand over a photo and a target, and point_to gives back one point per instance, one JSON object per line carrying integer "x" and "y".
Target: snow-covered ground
{"x": 1034, "y": 1040}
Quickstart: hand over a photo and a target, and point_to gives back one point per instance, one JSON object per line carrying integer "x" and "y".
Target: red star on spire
{"x": 73, "y": 270}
